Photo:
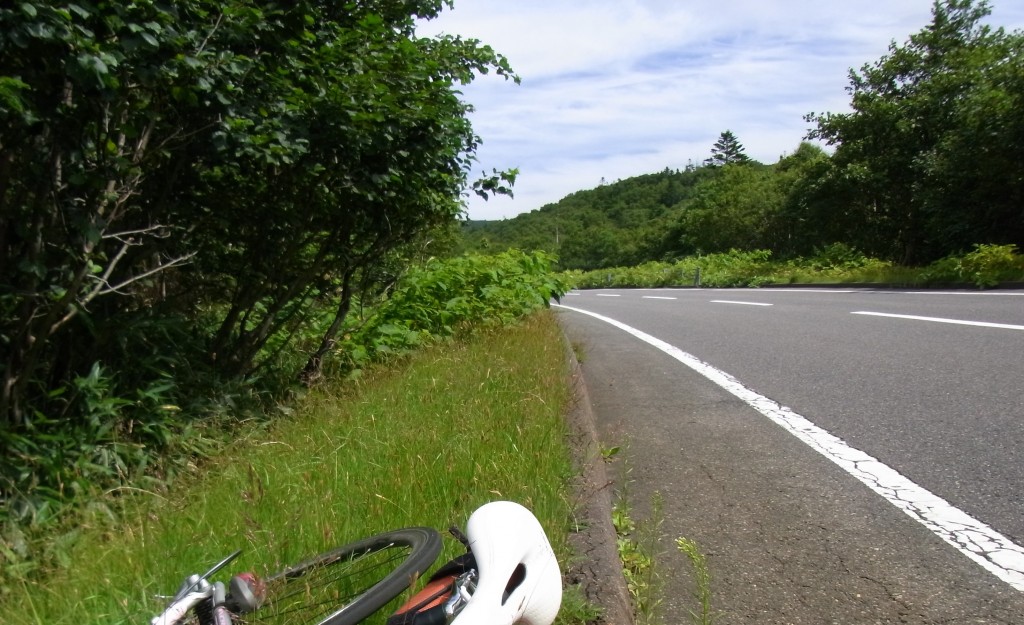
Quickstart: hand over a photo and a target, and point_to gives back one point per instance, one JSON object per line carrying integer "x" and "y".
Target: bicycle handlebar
{"x": 181, "y": 606}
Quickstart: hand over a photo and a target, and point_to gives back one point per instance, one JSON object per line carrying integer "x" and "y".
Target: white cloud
{"x": 616, "y": 88}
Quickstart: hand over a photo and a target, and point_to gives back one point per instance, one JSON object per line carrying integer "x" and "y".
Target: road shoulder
{"x": 597, "y": 568}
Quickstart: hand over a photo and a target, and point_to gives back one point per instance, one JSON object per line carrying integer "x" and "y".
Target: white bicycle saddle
{"x": 519, "y": 579}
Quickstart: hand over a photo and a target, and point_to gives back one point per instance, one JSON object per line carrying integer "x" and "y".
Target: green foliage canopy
{"x": 220, "y": 167}
{"x": 931, "y": 152}
{"x": 620, "y": 223}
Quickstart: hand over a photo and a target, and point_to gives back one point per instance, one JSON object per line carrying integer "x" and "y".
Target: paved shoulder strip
{"x": 979, "y": 542}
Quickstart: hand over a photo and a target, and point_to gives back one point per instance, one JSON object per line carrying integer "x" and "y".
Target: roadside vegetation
{"x": 422, "y": 442}
{"x": 985, "y": 266}
{"x": 440, "y": 301}
{"x": 637, "y": 544}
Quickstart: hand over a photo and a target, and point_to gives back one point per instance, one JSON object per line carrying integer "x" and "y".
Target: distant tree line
{"x": 929, "y": 162}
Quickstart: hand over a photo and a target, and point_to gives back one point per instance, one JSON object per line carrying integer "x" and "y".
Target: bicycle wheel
{"x": 348, "y": 584}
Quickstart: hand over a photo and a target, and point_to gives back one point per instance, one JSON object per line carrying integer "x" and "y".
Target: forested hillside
{"x": 929, "y": 162}
{"x": 622, "y": 223}
{"x": 734, "y": 203}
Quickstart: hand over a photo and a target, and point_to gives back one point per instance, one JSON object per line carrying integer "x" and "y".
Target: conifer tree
{"x": 727, "y": 150}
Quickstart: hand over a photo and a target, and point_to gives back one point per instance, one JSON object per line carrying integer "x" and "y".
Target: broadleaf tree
{"x": 226, "y": 163}
{"x": 930, "y": 154}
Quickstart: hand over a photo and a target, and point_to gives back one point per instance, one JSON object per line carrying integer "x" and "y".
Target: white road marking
{"x": 775, "y": 290}
{"x": 976, "y": 540}
{"x": 658, "y": 297}
{"x": 607, "y": 295}
{"x": 983, "y": 293}
{"x": 726, "y": 301}
{"x": 983, "y": 324}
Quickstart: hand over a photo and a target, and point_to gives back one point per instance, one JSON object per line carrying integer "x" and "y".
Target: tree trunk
{"x": 314, "y": 365}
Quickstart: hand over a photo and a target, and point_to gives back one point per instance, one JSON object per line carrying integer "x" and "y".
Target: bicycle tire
{"x": 346, "y": 585}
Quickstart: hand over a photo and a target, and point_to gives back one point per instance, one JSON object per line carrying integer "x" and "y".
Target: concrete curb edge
{"x": 597, "y": 568}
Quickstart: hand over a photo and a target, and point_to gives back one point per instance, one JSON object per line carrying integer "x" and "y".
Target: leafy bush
{"x": 985, "y": 266}
{"x": 450, "y": 296}
{"x": 836, "y": 256}
{"x": 734, "y": 268}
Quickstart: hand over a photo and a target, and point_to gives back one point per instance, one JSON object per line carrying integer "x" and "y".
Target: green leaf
{"x": 79, "y": 10}
{"x": 92, "y": 64}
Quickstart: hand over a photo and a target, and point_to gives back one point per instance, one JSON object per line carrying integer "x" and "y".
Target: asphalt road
{"x": 791, "y": 536}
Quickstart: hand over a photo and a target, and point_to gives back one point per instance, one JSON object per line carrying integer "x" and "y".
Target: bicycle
{"x": 508, "y": 576}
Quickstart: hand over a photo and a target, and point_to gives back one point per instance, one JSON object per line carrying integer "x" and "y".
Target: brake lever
{"x": 184, "y": 590}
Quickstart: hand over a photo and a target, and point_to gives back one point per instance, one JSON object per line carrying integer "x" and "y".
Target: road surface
{"x": 857, "y": 461}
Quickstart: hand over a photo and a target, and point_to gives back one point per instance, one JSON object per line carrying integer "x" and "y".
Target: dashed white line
{"x": 983, "y": 324}
{"x": 984, "y": 545}
{"x": 727, "y": 301}
{"x": 658, "y": 297}
{"x": 607, "y": 295}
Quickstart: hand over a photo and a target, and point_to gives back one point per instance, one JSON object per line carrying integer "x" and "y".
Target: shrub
{"x": 449, "y": 296}
{"x": 985, "y": 266}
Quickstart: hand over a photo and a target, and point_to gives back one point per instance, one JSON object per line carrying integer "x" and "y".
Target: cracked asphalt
{"x": 789, "y": 538}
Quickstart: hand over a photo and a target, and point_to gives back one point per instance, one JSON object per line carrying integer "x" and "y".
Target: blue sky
{"x": 618, "y": 88}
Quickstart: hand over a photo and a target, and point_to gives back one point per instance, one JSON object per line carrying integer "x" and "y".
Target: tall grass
{"x": 426, "y": 443}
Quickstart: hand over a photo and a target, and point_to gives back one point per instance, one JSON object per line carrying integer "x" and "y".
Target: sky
{"x": 618, "y": 88}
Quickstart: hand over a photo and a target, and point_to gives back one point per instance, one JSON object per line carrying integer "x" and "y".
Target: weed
{"x": 577, "y": 350}
{"x": 162, "y": 409}
{"x": 609, "y": 453}
{"x": 576, "y": 609}
{"x": 637, "y": 546}
{"x": 702, "y": 580}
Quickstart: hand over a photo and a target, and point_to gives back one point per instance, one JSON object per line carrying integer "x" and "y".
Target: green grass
{"x": 423, "y": 443}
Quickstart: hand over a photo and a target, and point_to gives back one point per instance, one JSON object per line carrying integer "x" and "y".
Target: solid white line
{"x": 726, "y": 301}
{"x": 984, "y": 293}
{"x": 983, "y": 324}
{"x": 658, "y": 297}
{"x": 774, "y": 290}
{"x": 979, "y": 542}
